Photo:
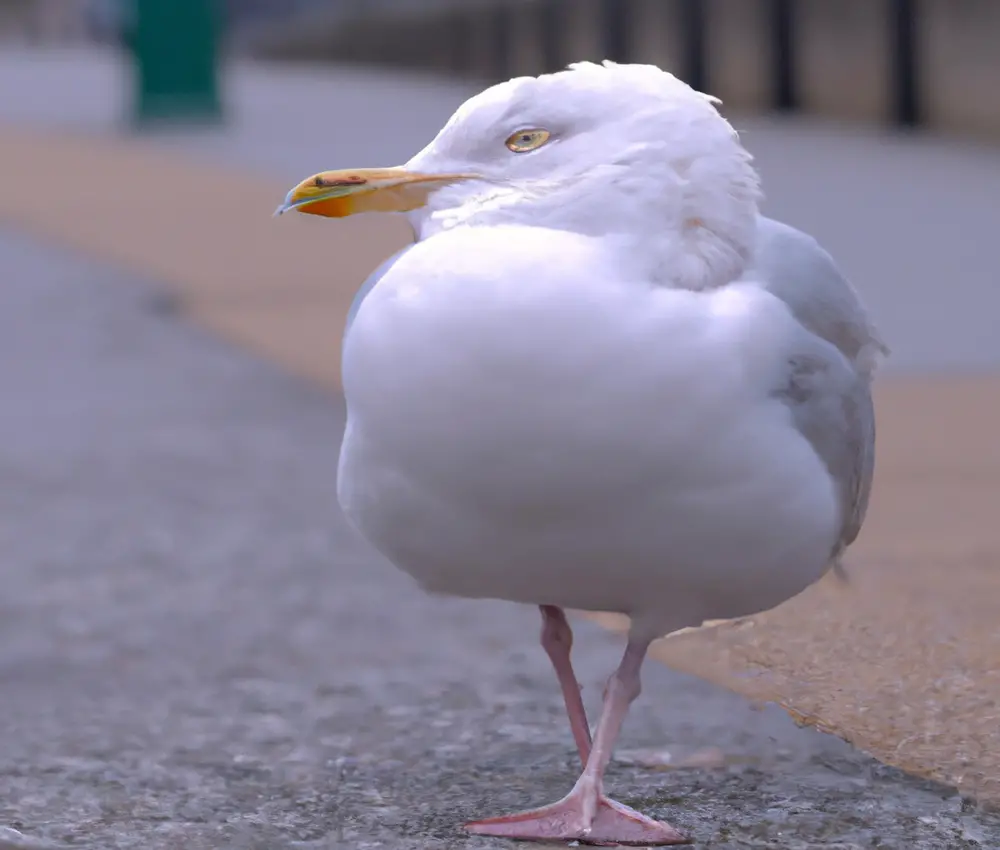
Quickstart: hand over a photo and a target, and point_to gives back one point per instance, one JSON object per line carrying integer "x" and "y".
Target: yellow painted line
{"x": 903, "y": 662}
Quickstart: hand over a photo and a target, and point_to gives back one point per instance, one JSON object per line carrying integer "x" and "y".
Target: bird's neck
{"x": 700, "y": 253}
{"x": 693, "y": 257}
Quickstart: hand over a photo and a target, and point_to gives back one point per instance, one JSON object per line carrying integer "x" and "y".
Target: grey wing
{"x": 831, "y": 405}
{"x": 828, "y": 391}
{"x": 795, "y": 268}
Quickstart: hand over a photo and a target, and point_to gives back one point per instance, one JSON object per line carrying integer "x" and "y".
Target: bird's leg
{"x": 586, "y": 814}
{"x": 557, "y": 641}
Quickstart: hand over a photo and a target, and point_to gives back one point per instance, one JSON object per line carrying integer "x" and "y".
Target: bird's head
{"x": 607, "y": 149}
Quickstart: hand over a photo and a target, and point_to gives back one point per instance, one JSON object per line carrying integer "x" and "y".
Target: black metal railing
{"x": 617, "y": 21}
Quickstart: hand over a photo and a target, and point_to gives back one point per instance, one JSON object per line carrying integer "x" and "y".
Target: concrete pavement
{"x": 197, "y": 653}
{"x": 168, "y": 558}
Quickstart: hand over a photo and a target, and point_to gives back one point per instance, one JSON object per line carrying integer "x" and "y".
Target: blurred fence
{"x": 928, "y": 63}
{"x": 913, "y": 63}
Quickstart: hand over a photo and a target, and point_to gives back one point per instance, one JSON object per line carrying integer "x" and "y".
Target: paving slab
{"x": 903, "y": 662}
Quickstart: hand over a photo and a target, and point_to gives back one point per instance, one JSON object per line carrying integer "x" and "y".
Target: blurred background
{"x": 174, "y": 567}
{"x": 927, "y": 63}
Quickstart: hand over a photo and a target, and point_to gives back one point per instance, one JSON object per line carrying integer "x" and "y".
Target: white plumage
{"x": 559, "y": 395}
{"x": 602, "y": 380}
{"x": 559, "y": 434}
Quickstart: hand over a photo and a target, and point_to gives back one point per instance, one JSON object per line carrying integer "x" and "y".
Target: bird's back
{"x": 795, "y": 268}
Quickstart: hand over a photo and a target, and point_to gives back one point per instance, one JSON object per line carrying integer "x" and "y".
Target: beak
{"x": 336, "y": 194}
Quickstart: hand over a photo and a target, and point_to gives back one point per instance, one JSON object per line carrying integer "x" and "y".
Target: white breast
{"x": 559, "y": 434}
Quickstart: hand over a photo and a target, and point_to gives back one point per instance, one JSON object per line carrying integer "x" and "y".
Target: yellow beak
{"x": 336, "y": 194}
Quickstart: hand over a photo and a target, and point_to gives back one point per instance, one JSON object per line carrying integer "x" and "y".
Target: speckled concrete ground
{"x": 196, "y": 652}
{"x": 197, "y": 657}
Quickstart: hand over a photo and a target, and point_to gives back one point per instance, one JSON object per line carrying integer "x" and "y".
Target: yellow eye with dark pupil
{"x": 527, "y": 140}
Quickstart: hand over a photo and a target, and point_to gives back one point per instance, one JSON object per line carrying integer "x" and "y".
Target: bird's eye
{"x": 527, "y": 140}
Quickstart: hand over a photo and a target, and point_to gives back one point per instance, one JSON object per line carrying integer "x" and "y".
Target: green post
{"x": 175, "y": 47}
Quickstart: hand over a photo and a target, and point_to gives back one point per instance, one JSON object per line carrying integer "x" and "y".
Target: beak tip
{"x": 290, "y": 203}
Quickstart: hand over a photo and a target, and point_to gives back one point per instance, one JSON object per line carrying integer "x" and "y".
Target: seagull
{"x": 600, "y": 380}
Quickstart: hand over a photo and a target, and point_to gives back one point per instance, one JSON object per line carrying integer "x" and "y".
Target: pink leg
{"x": 586, "y": 814}
{"x": 557, "y": 641}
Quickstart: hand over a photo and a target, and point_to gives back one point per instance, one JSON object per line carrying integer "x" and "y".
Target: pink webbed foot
{"x": 586, "y": 814}
{"x": 613, "y": 824}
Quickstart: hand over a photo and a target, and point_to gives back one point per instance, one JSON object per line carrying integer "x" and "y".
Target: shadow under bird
{"x": 600, "y": 380}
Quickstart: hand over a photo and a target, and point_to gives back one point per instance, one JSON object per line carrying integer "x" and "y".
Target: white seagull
{"x": 600, "y": 380}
